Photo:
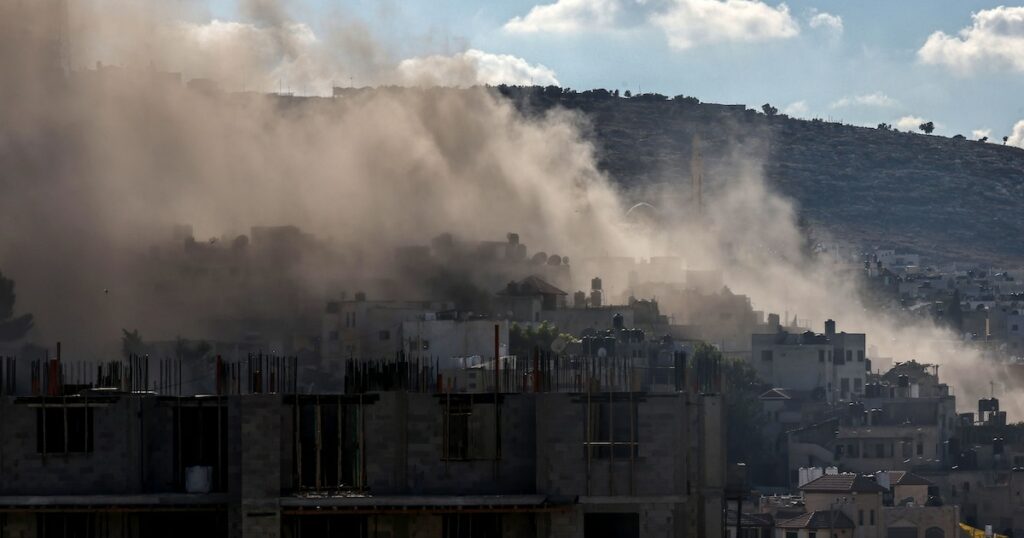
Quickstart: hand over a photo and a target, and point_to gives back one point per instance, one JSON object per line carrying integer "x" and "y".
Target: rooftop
{"x": 820, "y": 519}
{"x": 905, "y": 478}
{"x": 531, "y": 285}
{"x": 842, "y": 483}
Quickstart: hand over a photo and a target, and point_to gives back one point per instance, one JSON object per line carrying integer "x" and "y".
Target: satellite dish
{"x": 558, "y": 344}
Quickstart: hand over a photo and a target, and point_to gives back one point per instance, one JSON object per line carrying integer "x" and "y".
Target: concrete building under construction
{"x": 556, "y": 446}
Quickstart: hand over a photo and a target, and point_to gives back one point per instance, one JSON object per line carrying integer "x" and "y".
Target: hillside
{"x": 946, "y": 198}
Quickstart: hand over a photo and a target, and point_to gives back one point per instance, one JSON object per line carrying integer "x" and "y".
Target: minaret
{"x": 697, "y": 176}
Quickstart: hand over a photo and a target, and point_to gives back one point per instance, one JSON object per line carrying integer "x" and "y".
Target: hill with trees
{"x": 948, "y": 198}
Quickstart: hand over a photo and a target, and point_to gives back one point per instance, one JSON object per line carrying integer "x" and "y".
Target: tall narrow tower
{"x": 697, "y": 175}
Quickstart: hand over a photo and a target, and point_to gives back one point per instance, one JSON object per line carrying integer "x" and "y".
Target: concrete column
{"x": 260, "y": 466}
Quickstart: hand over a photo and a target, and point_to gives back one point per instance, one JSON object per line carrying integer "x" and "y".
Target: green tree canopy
{"x": 522, "y": 339}
{"x": 744, "y": 414}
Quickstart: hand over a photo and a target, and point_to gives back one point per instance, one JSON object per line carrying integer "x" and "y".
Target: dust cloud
{"x": 99, "y": 162}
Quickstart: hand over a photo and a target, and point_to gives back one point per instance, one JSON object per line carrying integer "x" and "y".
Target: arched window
{"x": 934, "y": 532}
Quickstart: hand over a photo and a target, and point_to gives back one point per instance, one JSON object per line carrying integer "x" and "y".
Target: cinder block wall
{"x": 404, "y": 449}
{"x": 658, "y": 468}
{"x": 260, "y": 448}
{"x": 111, "y": 468}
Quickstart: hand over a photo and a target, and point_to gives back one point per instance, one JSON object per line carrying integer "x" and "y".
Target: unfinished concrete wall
{"x": 560, "y": 453}
{"x": 159, "y": 453}
{"x": 111, "y": 467}
{"x": 260, "y": 434}
{"x": 562, "y": 462}
{"x": 405, "y": 447}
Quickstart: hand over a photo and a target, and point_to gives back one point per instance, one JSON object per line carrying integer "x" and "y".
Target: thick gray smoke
{"x": 102, "y": 163}
{"x": 98, "y": 164}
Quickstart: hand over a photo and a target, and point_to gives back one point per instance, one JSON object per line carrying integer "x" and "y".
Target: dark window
{"x": 612, "y": 431}
{"x": 327, "y": 525}
{"x": 197, "y": 428}
{"x": 844, "y": 386}
{"x": 70, "y": 525}
{"x": 469, "y": 430}
{"x": 611, "y": 525}
{"x": 849, "y": 355}
{"x": 858, "y": 385}
{"x": 853, "y": 450}
{"x": 812, "y": 534}
{"x": 872, "y": 522}
{"x": 879, "y": 450}
{"x": 860, "y": 355}
{"x": 64, "y": 429}
{"x": 328, "y": 455}
{"x": 470, "y": 526}
{"x": 766, "y": 354}
{"x": 821, "y": 355}
{"x": 839, "y": 358}
{"x": 934, "y": 532}
{"x": 791, "y": 534}
{"x": 920, "y": 448}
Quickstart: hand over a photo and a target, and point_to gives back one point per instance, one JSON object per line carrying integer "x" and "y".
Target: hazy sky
{"x": 958, "y": 63}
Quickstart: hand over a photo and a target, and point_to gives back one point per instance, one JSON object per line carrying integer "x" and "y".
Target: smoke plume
{"x": 98, "y": 163}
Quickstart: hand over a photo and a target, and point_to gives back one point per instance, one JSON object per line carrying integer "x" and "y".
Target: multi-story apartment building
{"x": 566, "y": 447}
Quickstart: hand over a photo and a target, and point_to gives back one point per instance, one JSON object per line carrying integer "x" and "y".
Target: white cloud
{"x": 567, "y": 16}
{"x": 908, "y": 123}
{"x": 876, "y": 99}
{"x": 685, "y": 23}
{"x": 978, "y": 134}
{"x": 994, "y": 41}
{"x": 797, "y": 109}
{"x": 1017, "y": 136}
{"x": 292, "y": 55}
{"x": 688, "y": 23}
{"x": 826, "y": 21}
{"x": 473, "y": 67}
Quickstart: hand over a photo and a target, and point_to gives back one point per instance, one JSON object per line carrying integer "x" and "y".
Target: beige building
{"x": 856, "y": 496}
{"x": 818, "y": 524}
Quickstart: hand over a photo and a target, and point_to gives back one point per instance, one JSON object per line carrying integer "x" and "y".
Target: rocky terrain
{"x": 946, "y": 198}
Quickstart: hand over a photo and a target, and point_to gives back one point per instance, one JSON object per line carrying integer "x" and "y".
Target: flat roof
{"x": 404, "y": 503}
{"x": 144, "y": 503}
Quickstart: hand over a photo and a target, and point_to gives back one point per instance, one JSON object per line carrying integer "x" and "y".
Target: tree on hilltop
{"x": 927, "y": 128}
